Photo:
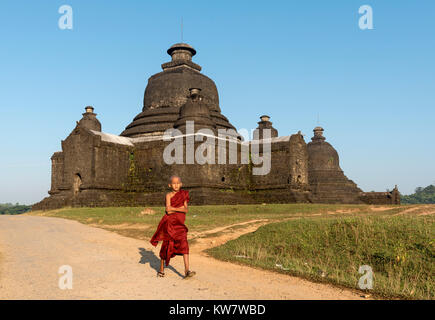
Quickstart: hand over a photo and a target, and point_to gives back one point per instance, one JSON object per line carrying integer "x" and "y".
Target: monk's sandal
{"x": 189, "y": 274}
{"x": 160, "y": 274}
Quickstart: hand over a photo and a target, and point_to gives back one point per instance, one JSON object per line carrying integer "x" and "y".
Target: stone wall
{"x": 379, "y": 198}
{"x": 57, "y": 169}
{"x": 93, "y": 172}
{"x": 96, "y": 171}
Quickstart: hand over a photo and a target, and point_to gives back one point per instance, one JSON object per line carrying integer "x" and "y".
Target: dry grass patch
{"x": 140, "y": 222}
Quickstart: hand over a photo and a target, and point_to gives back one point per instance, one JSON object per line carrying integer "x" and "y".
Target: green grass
{"x": 199, "y": 218}
{"x": 399, "y": 249}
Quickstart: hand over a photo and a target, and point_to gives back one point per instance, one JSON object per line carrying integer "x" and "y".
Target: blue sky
{"x": 374, "y": 90}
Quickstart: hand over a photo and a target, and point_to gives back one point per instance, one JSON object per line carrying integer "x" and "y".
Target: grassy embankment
{"x": 129, "y": 221}
{"x": 399, "y": 249}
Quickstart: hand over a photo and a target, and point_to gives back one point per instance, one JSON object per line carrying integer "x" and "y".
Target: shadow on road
{"x": 148, "y": 256}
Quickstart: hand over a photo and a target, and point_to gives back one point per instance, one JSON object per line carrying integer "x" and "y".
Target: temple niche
{"x": 96, "y": 168}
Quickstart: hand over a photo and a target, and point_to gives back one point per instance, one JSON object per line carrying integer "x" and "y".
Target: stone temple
{"x": 96, "y": 168}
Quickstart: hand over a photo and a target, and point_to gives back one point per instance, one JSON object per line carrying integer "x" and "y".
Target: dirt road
{"x": 106, "y": 265}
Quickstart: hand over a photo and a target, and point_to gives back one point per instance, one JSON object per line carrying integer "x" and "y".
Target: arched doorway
{"x": 77, "y": 183}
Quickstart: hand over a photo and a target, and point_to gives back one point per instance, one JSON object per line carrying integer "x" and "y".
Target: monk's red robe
{"x": 172, "y": 230}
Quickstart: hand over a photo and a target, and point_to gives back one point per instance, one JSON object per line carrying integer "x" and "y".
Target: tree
{"x": 9, "y": 208}
{"x": 421, "y": 195}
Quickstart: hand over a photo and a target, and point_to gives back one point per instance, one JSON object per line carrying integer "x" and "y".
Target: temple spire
{"x": 181, "y": 54}
{"x": 318, "y": 134}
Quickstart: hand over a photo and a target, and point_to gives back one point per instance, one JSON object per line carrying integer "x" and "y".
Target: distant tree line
{"x": 9, "y": 208}
{"x": 421, "y": 195}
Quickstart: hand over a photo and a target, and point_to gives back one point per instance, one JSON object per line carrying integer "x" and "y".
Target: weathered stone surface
{"x": 168, "y": 91}
{"x": 265, "y": 124}
{"x": 196, "y": 111}
{"x": 100, "y": 169}
{"x": 327, "y": 181}
{"x": 89, "y": 120}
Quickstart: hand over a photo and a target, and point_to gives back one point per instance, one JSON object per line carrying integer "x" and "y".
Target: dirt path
{"x": 109, "y": 266}
{"x": 420, "y": 210}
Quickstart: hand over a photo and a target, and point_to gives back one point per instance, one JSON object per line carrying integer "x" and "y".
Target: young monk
{"x": 172, "y": 230}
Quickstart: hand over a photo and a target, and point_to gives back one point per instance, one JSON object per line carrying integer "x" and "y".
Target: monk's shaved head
{"x": 174, "y": 177}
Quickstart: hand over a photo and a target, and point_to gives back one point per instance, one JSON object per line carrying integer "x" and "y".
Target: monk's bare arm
{"x": 169, "y": 208}
{"x": 180, "y": 209}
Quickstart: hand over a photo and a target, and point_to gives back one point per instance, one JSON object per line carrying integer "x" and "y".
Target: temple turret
{"x": 195, "y": 111}
{"x": 89, "y": 120}
{"x": 263, "y": 125}
{"x": 327, "y": 181}
{"x": 322, "y": 155}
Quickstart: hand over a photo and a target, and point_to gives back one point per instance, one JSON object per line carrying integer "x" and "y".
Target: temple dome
{"x": 168, "y": 90}
{"x": 321, "y": 154}
{"x": 195, "y": 110}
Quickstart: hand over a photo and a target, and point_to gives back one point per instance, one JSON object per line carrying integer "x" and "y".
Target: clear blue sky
{"x": 374, "y": 89}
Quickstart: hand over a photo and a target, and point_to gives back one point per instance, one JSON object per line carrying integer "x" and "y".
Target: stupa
{"x": 95, "y": 168}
